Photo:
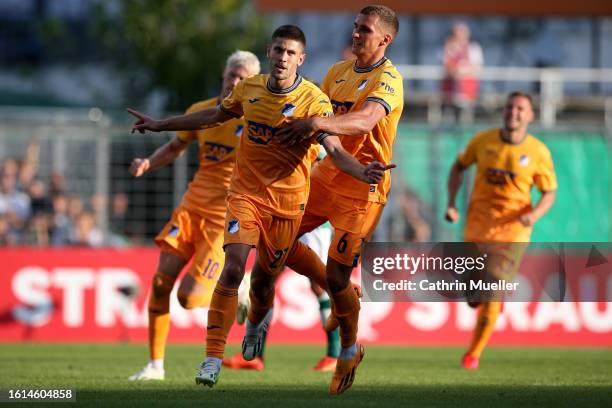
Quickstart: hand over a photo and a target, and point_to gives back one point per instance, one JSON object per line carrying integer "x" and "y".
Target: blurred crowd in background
{"x": 42, "y": 210}
{"x": 45, "y": 210}
{"x": 63, "y": 189}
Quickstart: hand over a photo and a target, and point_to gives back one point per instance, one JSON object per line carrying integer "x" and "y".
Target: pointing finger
{"x": 135, "y": 113}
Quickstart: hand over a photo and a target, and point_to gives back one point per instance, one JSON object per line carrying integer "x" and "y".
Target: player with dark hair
{"x": 368, "y": 99}
{"x": 196, "y": 228}
{"x": 270, "y": 183}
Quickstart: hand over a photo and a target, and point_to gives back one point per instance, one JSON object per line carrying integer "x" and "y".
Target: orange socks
{"x": 306, "y": 262}
{"x": 221, "y": 317}
{"x": 258, "y": 309}
{"x": 346, "y": 305}
{"x": 159, "y": 314}
{"x": 487, "y": 316}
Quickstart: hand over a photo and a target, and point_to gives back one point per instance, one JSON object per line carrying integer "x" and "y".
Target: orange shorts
{"x": 353, "y": 221}
{"x": 503, "y": 258}
{"x": 189, "y": 235}
{"x": 248, "y": 223}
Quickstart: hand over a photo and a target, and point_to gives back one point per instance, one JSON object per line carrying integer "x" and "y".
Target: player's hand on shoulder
{"x": 295, "y": 131}
{"x": 139, "y": 167}
{"x": 375, "y": 171}
{"x": 451, "y": 215}
{"x": 143, "y": 122}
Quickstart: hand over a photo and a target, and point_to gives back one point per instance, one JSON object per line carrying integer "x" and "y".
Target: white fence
{"x": 551, "y": 85}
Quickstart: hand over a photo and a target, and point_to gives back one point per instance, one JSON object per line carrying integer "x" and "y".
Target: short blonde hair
{"x": 244, "y": 59}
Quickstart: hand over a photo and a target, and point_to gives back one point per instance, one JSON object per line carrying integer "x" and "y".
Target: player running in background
{"x": 367, "y": 95}
{"x": 270, "y": 183}
{"x": 509, "y": 162}
{"x": 196, "y": 227}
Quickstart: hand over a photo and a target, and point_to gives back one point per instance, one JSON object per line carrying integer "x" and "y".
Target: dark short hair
{"x": 386, "y": 15}
{"x": 521, "y": 94}
{"x": 290, "y": 32}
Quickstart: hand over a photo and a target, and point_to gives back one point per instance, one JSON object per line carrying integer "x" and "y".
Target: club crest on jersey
{"x": 288, "y": 110}
{"x": 524, "y": 160}
{"x": 174, "y": 230}
{"x": 362, "y": 84}
{"x": 233, "y": 226}
{"x": 238, "y": 131}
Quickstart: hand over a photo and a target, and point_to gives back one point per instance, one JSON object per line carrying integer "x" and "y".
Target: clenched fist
{"x": 139, "y": 167}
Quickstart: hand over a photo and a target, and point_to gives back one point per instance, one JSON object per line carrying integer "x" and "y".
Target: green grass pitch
{"x": 388, "y": 377}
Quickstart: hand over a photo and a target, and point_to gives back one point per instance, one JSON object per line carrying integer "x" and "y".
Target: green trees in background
{"x": 176, "y": 46}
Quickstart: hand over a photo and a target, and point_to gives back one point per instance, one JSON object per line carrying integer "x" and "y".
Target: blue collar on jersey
{"x": 296, "y": 83}
{"x": 369, "y": 68}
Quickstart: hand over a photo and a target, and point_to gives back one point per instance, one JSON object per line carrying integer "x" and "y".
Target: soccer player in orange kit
{"x": 270, "y": 184}
{"x": 196, "y": 227}
{"x": 368, "y": 99}
{"x": 509, "y": 162}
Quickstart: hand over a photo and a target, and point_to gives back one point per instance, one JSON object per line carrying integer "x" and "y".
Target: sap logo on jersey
{"x": 216, "y": 151}
{"x": 233, "y": 226}
{"x": 260, "y": 133}
{"x": 340, "y": 108}
{"x": 499, "y": 177}
{"x": 288, "y": 110}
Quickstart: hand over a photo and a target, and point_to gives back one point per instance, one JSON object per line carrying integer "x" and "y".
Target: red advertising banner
{"x": 86, "y": 295}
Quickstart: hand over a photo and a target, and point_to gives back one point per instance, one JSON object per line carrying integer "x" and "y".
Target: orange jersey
{"x": 349, "y": 88}
{"x": 505, "y": 174}
{"x": 207, "y": 191}
{"x": 274, "y": 176}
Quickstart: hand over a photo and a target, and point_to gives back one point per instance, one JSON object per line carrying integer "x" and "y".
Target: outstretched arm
{"x": 370, "y": 174}
{"x": 201, "y": 119}
{"x": 455, "y": 179}
{"x": 351, "y": 124}
{"x": 163, "y": 156}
